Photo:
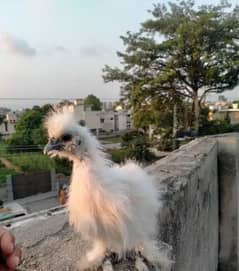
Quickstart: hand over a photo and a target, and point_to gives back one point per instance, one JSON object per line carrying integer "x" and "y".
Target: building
{"x": 108, "y": 106}
{"x": 123, "y": 120}
{"x": 7, "y": 127}
{"x": 105, "y": 121}
{"x": 232, "y": 114}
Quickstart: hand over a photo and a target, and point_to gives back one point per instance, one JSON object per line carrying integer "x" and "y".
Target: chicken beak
{"x": 52, "y": 146}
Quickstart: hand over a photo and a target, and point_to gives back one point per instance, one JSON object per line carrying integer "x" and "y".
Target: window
{"x": 82, "y": 122}
{"x": 102, "y": 120}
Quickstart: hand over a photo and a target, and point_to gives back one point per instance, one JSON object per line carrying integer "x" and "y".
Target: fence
{"x": 25, "y": 185}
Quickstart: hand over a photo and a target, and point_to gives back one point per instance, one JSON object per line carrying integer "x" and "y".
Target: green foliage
{"x": 165, "y": 143}
{"x": 3, "y": 147}
{"x": 93, "y": 102}
{"x": 30, "y": 162}
{"x": 119, "y": 156}
{"x": 112, "y": 140}
{"x": 137, "y": 145}
{"x": 63, "y": 166}
{"x": 127, "y": 138}
{"x": 216, "y": 127}
{"x": 197, "y": 52}
{"x": 212, "y": 127}
{"x": 139, "y": 150}
{"x": 29, "y": 128}
{"x": 4, "y": 172}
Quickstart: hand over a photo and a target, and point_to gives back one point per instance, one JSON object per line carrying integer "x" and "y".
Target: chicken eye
{"x": 66, "y": 137}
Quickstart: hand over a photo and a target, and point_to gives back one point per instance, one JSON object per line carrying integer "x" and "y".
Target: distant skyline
{"x": 57, "y": 48}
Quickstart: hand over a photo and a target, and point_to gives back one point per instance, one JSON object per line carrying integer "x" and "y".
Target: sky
{"x": 57, "y": 48}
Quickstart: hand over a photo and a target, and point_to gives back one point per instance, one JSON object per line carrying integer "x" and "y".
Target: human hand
{"x": 10, "y": 256}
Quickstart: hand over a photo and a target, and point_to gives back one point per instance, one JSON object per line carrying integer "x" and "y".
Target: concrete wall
{"x": 228, "y": 161}
{"x": 92, "y": 119}
{"x": 123, "y": 121}
{"x": 200, "y": 217}
{"x": 108, "y": 121}
{"x": 190, "y": 220}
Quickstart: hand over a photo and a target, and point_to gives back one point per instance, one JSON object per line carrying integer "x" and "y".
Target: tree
{"x": 29, "y": 128}
{"x": 137, "y": 146}
{"x": 93, "y": 102}
{"x": 184, "y": 51}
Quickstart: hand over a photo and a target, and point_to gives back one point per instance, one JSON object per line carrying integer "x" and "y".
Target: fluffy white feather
{"x": 114, "y": 207}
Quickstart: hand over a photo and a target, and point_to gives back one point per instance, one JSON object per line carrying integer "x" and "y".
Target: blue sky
{"x": 57, "y": 48}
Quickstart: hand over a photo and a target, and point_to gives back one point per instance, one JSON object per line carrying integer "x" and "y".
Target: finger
{"x": 12, "y": 262}
{"x": 6, "y": 242}
{"x": 18, "y": 252}
{"x": 3, "y": 268}
{"x": 14, "y": 259}
{"x": 3, "y": 231}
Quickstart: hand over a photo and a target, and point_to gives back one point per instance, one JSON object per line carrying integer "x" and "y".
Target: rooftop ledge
{"x": 198, "y": 219}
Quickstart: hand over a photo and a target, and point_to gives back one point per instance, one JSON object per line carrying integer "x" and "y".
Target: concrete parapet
{"x": 189, "y": 218}
{"x": 228, "y": 161}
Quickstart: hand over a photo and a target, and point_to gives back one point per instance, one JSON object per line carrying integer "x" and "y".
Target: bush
{"x": 63, "y": 166}
{"x": 137, "y": 146}
{"x": 119, "y": 156}
{"x": 216, "y": 127}
{"x": 4, "y": 172}
{"x": 30, "y": 132}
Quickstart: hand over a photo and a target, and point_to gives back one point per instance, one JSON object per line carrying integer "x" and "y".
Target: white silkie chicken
{"x": 113, "y": 207}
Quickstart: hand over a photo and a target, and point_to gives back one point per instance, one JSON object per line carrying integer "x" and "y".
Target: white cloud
{"x": 13, "y": 45}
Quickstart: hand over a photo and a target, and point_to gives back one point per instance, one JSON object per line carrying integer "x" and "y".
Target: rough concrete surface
{"x": 39, "y": 202}
{"x": 51, "y": 245}
{"x": 189, "y": 218}
{"x": 229, "y": 201}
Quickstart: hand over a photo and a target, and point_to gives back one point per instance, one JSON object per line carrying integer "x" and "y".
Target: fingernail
{"x": 10, "y": 247}
{"x": 16, "y": 260}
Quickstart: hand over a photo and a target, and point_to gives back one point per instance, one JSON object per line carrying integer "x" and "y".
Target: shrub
{"x": 216, "y": 127}
{"x": 119, "y": 156}
{"x": 137, "y": 146}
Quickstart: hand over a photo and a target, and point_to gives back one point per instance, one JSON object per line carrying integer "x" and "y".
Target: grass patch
{"x": 113, "y": 140}
{"x": 119, "y": 156}
{"x": 3, "y": 147}
{"x": 32, "y": 162}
